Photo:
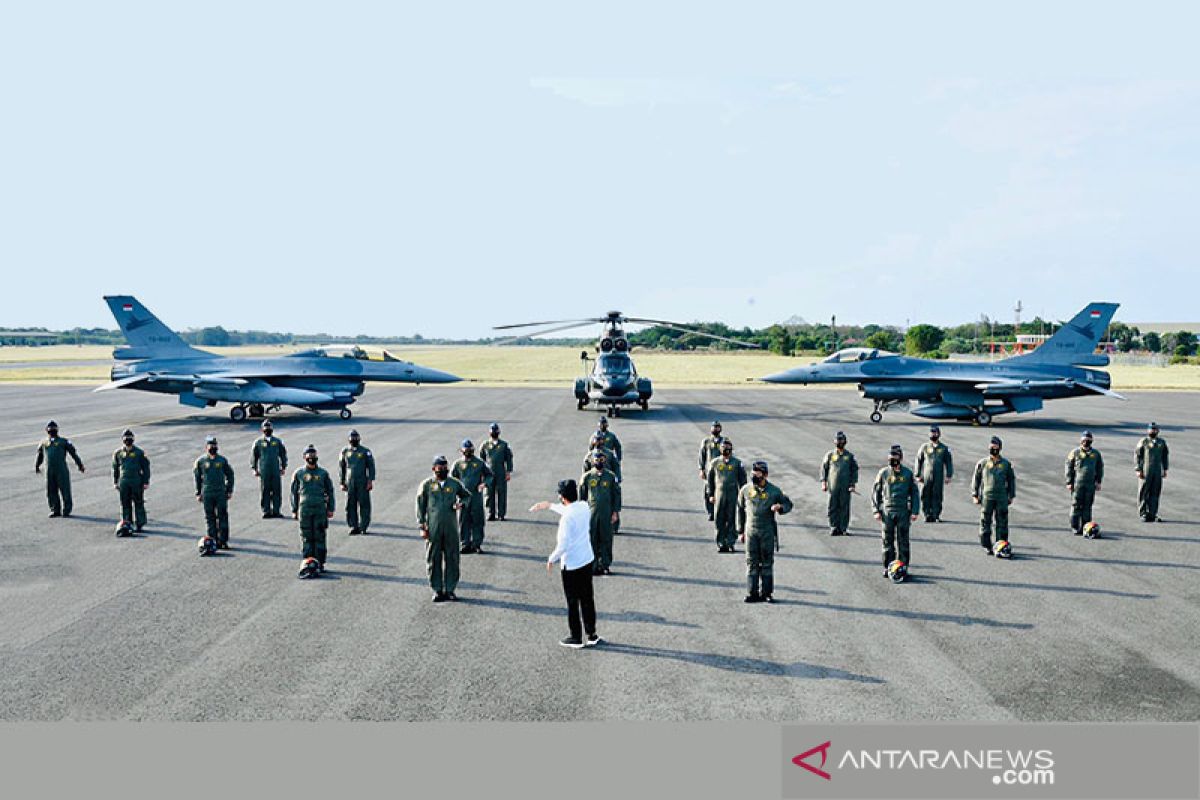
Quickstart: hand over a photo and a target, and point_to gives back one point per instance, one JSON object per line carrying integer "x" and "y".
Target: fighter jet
{"x": 326, "y": 378}
{"x": 975, "y": 390}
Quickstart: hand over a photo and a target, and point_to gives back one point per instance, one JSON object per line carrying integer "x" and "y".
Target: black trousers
{"x": 577, "y": 586}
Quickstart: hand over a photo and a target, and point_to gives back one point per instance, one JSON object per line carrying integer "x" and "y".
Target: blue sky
{"x": 384, "y": 168}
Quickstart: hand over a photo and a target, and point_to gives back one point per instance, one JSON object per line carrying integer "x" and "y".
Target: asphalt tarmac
{"x": 99, "y": 628}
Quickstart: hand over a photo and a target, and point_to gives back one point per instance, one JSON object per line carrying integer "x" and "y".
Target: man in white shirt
{"x": 573, "y": 551}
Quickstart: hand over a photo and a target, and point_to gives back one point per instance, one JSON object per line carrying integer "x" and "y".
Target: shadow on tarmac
{"x": 740, "y": 664}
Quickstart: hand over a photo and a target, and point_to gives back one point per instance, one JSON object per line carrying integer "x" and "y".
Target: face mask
{"x": 933, "y": 437}
{"x": 759, "y": 480}
{"x": 995, "y": 451}
{"x": 840, "y": 443}
{"x": 1086, "y": 445}
{"x": 212, "y": 449}
{"x": 311, "y": 461}
{"x": 1153, "y": 434}
{"x": 895, "y": 462}
{"x": 128, "y": 442}
{"x": 441, "y": 473}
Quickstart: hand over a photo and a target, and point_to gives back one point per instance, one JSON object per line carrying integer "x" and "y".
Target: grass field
{"x": 532, "y": 366}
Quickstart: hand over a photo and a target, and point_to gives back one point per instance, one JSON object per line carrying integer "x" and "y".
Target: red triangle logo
{"x": 823, "y": 749}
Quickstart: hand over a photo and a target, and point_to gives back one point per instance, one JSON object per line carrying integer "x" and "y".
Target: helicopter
{"x": 611, "y": 380}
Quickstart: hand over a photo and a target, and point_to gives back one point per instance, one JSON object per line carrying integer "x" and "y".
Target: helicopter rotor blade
{"x": 676, "y": 327}
{"x": 512, "y": 339}
{"x": 588, "y": 321}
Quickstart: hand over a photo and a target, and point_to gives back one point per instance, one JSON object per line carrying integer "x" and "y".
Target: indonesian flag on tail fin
{"x": 127, "y": 307}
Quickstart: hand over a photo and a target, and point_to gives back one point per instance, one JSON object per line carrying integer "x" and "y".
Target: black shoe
{"x": 477, "y": 550}
{"x": 592, "y": 640}
{"x": 834, "y": 532}
{"x": 321, "y": 568}
{"x": 267, "y": 515}
{"x": 572, "y": 642}
{"x": 53, "y": 514}
{"x": 989, "y": 551}
{"x": 66, "y": 513}
{"x": 767, "y": 598}
{"x": 138, "y": 528}
{"x": 440, "y": 597}
{"x": 502, "y": 519}
{"x": 752, "y": 598}
{"x": 1077, "y": 533}
{"x": 452, "y": 597}
{"x": 222, "y": 545}
{"x": 354, "y": 531}
{"x": 491, "y": 518}
{"x": 710, "y": 517}
{"x": 465, "y": 550}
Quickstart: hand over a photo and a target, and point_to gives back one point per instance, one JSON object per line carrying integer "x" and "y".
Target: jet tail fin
{"x": 1075, "y": 342}
{"x": 148, "y": 337}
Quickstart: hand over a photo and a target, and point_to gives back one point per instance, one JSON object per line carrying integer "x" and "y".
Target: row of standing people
{"x": 899, "y": 494}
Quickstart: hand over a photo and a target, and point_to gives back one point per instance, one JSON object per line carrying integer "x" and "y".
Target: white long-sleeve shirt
{"x": 574, "y": 545}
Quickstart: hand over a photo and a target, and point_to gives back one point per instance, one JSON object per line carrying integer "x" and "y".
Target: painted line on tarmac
{"x": 97, "y": 432}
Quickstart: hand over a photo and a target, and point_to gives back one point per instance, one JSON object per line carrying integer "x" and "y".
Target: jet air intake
{"x": 901, "y": 390}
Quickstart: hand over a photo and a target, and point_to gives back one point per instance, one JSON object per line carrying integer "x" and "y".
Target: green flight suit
{"x": 313, "y": 500}
{"x": 896, "y": 499}
{"x": 602, "y": 491}
{"x": 499, "y": 457}
{"x": 435, "y": 511}
{"x": 214, "y": 486}
{"x": 725, "y": 479}
{"x": 54, "y": 452}
{"x": 756, "y": 521}
{"x": 610, "y": 442}
{"x": 1084, "y": 472}
{"x": 471, "y": 473}
{"x": 995, "y": 487}
{"x": 1153, "y": 459}
{"x": 839, "y": 472}
{"x": 356, "y": 469}
{"x": 131, "y": 473}
{"x": 269, "y": 458}
{"x": 710, "y": 448}
{"x": 935, "y": 466}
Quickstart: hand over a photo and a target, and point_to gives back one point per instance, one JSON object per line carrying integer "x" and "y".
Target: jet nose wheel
{"x": 983, "y": 418}
{"x": 237, "y": 413}
{"x": 345, "y": 413}
{"x": 876, "y": 417}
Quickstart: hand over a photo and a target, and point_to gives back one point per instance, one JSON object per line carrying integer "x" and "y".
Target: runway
{"x": 99, "y": 628}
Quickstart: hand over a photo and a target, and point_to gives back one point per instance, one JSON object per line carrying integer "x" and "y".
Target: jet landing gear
{"x": 242, "y": 411}
{"x": 345, "y": 413}
{"x": 882, "y": 406}
{"x": 983, "y": 417}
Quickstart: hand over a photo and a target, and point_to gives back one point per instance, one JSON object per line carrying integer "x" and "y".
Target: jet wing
{"x": 1003, "y": 388}
{"x": 151, "y": 377}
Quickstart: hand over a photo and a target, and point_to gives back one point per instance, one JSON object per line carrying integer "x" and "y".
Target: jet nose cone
{"x": 797, "y": 375}
{"x": 429, "y": 375}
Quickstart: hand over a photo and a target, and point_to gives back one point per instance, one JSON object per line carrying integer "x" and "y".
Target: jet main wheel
{"x": 645, "y": 404}
{"x": 256, "y": 410}
{"x": 345, "y": 413}
{"x": 876, "y": 417}
{"x": 237, "y": 413}
{"x": 983, "y": 418}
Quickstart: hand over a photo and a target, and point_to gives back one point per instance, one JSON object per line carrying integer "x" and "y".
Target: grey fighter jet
{"x": 327, "y": 378}
{"x": 977, "y": 390}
